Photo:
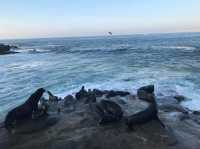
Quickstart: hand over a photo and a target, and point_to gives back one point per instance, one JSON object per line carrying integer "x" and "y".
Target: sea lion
{"x": 25, "y": 110}
{"x": 151, "y": 113}
{"x": 148, "y": 89}
{"x": 117, "y": 93}
{"x": 146, "y": 93}
{"x": 81, "y": 94}
{"x": 90, "y": 98}
{"x": 53, "y": 98}
{"x": 98, "y": 93}
{"x": 69, "y": 100}
{"x": 109, "y": 111}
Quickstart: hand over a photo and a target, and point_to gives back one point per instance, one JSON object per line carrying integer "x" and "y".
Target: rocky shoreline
{"x": 76, "y": 123}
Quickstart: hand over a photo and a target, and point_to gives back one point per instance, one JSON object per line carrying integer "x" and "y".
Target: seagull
{"x": 110, "y": 33}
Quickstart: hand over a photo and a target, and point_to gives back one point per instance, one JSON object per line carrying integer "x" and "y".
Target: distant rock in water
{"x": 6, "y": 49}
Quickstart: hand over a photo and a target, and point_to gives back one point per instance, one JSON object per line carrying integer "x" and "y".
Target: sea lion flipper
{"x": 161, "y": 123}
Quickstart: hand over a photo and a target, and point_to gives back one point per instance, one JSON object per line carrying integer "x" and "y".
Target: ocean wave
{"x": 31, "y": 50}
{"x": 186, "y": 48}
{"x": 165, "y": 85}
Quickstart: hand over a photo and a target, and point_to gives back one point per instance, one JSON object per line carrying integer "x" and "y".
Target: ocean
{"x": 62, "y": 65}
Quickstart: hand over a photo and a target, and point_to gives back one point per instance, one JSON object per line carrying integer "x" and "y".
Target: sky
{"x": 66, "y": 18}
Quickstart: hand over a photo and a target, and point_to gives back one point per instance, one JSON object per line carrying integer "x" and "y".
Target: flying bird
{"x": 110, "y": 33}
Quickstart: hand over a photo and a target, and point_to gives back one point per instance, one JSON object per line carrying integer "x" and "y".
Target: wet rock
{"x": 167, "y": 100}
{"x": 173, "y": 108}
{"x": 5, "y": 49}
{"x": 109, "y": 112}
{"x": 116, "y": 93}
{"x": 34, "y": 125}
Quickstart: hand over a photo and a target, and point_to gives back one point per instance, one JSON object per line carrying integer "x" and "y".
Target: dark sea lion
{"x": 90, "y": 98}
{"x": 25, "y": 110}
{"x": 146, "y": 93}
{"x": 98, "y": 93}
{"x": 69, "y": 100}
{"x": 117, "y": 93}
{"x": 148, "y": 88}
{"x": 151, "y": 113}
{"x": 109, "y": 111}
{"x": 81, "y": 94}
{"x": 52, "y": 98}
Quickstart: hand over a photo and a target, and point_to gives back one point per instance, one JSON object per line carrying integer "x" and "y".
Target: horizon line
{"x": 90, "y": 36}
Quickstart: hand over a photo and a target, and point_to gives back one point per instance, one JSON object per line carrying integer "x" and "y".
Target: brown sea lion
{"x": 151, "y": 113}
{"x": 25, "y": 110}
{"x": 109, "y": 112}
{"x": 117, "y": 93}
{"x": 53, "y": 98}
{"x": 146, "y": 93}
{"x": 81, "y": 94}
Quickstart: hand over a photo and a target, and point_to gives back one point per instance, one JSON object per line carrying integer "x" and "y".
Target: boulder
{"x": 35, "y": 125}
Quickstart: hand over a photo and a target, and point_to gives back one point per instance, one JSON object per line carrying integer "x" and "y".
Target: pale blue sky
{"x": 60, "y": 18}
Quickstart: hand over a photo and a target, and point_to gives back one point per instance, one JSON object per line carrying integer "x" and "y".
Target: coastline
{"x": 79, "y": 128}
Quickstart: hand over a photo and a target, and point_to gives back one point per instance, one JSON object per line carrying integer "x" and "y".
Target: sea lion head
{"x": 41, "y": 90}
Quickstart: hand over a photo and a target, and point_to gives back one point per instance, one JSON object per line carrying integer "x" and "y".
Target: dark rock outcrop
{"x": 5, "y": 49}
{"x": 25, "y": 110}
